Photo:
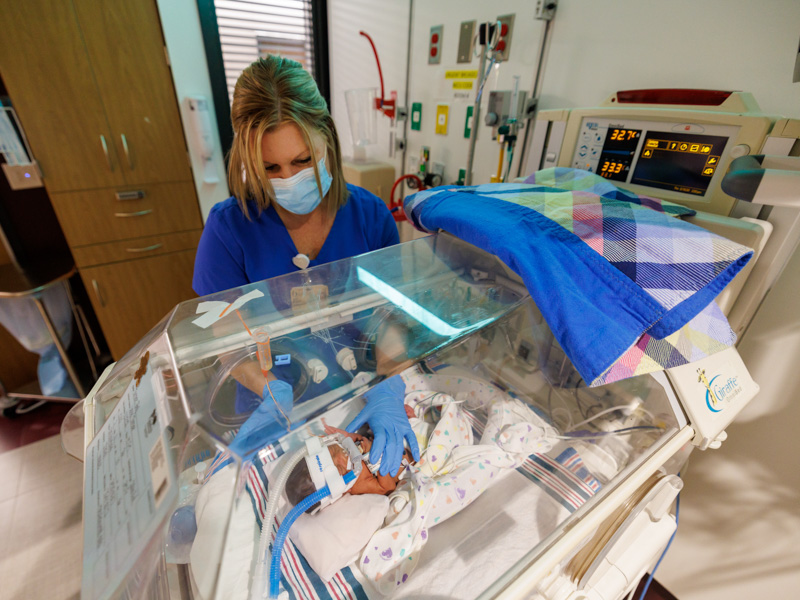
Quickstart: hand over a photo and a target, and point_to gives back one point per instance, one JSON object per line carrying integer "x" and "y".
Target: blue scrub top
{"x": 234, "y": 251}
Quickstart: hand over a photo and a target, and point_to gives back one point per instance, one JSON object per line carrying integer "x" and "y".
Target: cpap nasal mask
{"x": 330, "y": 486}
{"x": 325, "y": 474}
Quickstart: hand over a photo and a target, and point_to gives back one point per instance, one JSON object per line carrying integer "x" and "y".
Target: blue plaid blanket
{"x": 625, "y": 286}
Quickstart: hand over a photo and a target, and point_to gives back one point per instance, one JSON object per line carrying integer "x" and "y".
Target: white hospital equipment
{"x": 440, "y": 306}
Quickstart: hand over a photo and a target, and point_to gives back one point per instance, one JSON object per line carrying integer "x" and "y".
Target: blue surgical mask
{"x": 299, "y": 194}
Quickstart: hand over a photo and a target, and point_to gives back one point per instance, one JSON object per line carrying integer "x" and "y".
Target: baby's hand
{"x": 409, "y": 411}
{"x": 330, "y": 430}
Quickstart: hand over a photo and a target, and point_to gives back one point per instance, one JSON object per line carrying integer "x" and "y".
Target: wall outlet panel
{"x": 508, "y": 21}
{"x": 416, "y": 116}
{"x": 435, "y": 45}
{"x": 442, "y": 117}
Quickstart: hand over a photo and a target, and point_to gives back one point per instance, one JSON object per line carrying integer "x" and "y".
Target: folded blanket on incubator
{"x": 453, "y": 472}
{"x": 625, "y": 286}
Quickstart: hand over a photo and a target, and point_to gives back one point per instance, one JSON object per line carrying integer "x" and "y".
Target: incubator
{"x": 170, "y": 510}
{"x": 558, "y": 490}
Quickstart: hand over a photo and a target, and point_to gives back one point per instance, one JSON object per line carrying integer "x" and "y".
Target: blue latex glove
{"x": 266, "y": 421}
{"x": 387, "y": 418}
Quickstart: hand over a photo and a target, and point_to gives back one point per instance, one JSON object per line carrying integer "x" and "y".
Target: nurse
{"x": 291, "y": 208}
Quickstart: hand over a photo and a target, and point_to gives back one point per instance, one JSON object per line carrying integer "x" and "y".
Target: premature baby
{"x": 299, "y": 484}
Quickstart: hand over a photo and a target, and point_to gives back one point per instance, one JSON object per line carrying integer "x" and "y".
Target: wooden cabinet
{"x": 93, "y": 89}
{"x": 95, "y": 216}
{"x": 130, "y": 297}
{"x": 128, "y": 56}
{"x": 91, "y": 83}
{"x": 45, "y": 67}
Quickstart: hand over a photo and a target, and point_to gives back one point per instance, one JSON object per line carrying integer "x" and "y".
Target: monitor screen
{"x": 617, "y": 154}
{"x": 681, "y": 162}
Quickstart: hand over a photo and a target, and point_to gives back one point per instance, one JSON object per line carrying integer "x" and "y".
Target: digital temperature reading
{"x": 617, "y": 154}
{"x": 623, "y": 135}
{"x": 610, "y": 167}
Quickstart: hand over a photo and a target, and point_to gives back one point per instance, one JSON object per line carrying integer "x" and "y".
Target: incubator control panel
{"x": 680, "y": 157}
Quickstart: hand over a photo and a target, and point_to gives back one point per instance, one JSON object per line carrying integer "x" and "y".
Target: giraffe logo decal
{"x": 716, "y": 393}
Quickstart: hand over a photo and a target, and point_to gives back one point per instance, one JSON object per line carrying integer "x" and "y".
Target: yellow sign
{"x": 462, "y": 85}
{"x": 706, "y": 149}
{"x": 708, "y": 171}
{"x": 442, "y": 116}
{"x": 652, "y": 143}
{"x": 673, "y": 145}
{"x": 647, "y": 153}
{"x": 712, "y": 160}
{"x": 461, "y": 75}
{"x": 684, "y": 147}
{"x": 694, "y": 148}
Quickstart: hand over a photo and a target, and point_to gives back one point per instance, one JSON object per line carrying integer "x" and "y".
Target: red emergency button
{"x": 504, "y": 29}
{"x": 434, "y": 38}
{"x": 501, "y": 45}
{"x": 434, "y": 52}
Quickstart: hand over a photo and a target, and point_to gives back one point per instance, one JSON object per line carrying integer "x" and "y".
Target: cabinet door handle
{"x": 105, "y": 151}
{"x": 130, "y": 195}
{"x": 146, "y": 249}
{"x": 96, "y": 287}
{"x": 127, "y": 151}
{"x": 138, "y": 213}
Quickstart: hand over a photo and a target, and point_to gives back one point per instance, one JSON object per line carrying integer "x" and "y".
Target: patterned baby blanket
{"x": 626, "y": 287}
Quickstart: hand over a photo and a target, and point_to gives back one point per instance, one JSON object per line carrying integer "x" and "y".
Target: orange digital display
{"x": 617, "y": 153}
{"x": 623, "y": 135}
{"x": 610, "y": 167}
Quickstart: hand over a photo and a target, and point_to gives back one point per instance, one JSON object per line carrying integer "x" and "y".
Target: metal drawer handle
{"x": 138, "y": 213}
{"x": 130, "y": 195}
{"x": 147, "y": 249}
{"x": 127, "y": 151}
{"x": 105, "y": 151}
{"x": 97, "y": 293}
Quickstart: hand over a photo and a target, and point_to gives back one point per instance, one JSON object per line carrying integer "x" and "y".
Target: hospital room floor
{"x": 40, "y": 509}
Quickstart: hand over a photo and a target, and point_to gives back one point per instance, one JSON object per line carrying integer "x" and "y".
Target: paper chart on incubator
{"x": 127, "y": 489}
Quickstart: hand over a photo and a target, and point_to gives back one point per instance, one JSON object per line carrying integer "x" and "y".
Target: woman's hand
{"x": 386, "y": 415}
{"x": 276, "y": 405}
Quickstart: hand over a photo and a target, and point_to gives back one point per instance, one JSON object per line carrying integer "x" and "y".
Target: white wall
{"x": 735, "y": 542}
{"x": 181, "y": 26}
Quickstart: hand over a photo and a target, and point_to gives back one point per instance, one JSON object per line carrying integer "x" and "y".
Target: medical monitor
{"x": 679, "y": 157}
{"x": 670, "y": 144}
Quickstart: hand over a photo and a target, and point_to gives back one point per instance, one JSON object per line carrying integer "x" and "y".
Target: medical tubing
{"x": 377, "y": 60}
{"x": 283, "y": 531}
{"x": 476, "y": 115}
{"x": 275, "y": 491}
{"x": 286, "y": 524}
{"x": 399, "y": 203}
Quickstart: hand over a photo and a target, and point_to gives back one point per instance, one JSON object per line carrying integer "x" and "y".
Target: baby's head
{"x": 299, "y": 484}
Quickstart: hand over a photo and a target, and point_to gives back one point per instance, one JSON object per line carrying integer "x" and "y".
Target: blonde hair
{"x": 269, "y": 93}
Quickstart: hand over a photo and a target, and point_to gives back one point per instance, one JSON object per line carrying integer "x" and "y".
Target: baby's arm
{"x": 367, "y": 483}
{"x": 329, "y": 430}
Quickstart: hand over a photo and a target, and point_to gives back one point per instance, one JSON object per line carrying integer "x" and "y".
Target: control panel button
{"x": 740, "y": 150}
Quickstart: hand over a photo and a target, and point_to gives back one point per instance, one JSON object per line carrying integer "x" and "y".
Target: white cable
{"x": 600, "y": 414}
